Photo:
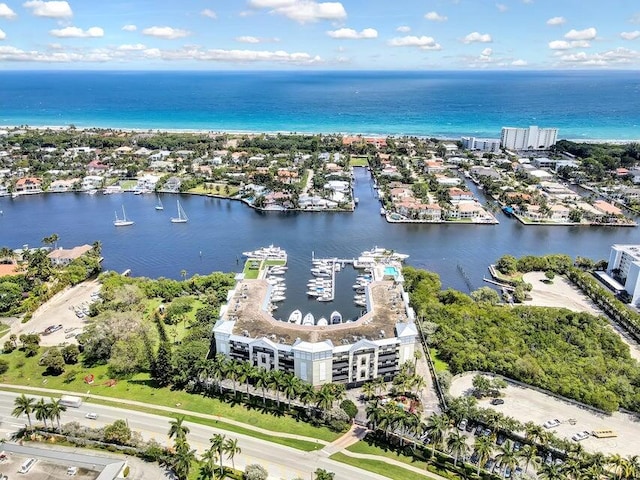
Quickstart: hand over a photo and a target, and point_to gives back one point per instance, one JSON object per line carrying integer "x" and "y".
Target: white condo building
{"x": 624, "y": 266}
{"x": 481, "y": 144}
{"x": 532, "y": 138}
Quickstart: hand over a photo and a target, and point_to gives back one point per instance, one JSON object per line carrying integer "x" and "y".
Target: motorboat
{"x": 322, "y": 322}
{"x": 308, "y": 319}
{"x": 327, "y": 297}
{"x": 278, "y": 298}
{"x": 295, "y": 317}
{"x": 336, "y": 317}
{"x": 314, "y": 293}
{"x": 360, "y": 303}
{"x": 267, "y": 253}
{"x": 321, "y": 273}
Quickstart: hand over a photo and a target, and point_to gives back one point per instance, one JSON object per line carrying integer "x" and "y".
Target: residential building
{"x": 481, "y": 144}
{"x": 28, "y": 185}
{"x": 62, "y": 257}
{"x": 532, "y": 138}
{"x": 624, "y": 266}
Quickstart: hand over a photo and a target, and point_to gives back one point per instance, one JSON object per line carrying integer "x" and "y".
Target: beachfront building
{"x": 350, "y": 352}
{"x": 532, "y": 138}
{"x": 624, "y": 267}
{"x": 481, "y": 144}
{"x": 61, "y": 257}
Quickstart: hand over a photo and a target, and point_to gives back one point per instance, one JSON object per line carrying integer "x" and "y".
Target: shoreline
{"x": 204, "y": 131}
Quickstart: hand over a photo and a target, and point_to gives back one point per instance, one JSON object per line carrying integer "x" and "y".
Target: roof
{"x": 70, "y": 254}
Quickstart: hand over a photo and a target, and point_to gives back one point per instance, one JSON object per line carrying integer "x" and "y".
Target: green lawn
{"x": 250, "y": 271}
{"x": 359, "y": 162}
{"x": 440, "y": 365}
{"x": 26, "y": 371}
{"x": 364, "y": 447}
{"x": 379, "y": 467}
{"x": 220, "y": 190}
{"x": 128, "y": 184}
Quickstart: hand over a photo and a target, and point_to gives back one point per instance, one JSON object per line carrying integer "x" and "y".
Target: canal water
{"x": 219, "y": 231}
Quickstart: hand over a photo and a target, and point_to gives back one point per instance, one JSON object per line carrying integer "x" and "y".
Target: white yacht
{"x": 295, "y": 317}
{"x": 336, "y": 317}
{"x": 267, "y": 253}
{"x": 322, "y": 322}
{"x": 308, "y": 319}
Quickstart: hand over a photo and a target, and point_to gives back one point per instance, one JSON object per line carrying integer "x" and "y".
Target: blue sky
{"x": 311, "y": 34}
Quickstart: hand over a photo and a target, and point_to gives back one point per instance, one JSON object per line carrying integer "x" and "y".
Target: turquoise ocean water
{"x": 587, "y": 105}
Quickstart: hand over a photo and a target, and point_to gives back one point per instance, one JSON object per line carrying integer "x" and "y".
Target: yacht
{"x": 336, "y": 318}
{"x": 308, "y": 319}
{"x": 322, "y": 322}
{"x": 124, "y": 221}
{"x": 267, "y": 253}
{"x": 326, "y": 297}
{"x": 278, "y": 298}
{"x": 295, "y": 317}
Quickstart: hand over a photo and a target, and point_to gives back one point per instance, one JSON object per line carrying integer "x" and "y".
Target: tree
{"x": 177, "y": 428}
{"x": 182, "y": 459}
{"x": 483, "y": 446}
{"x": 255, "y": 472}
{"x": 53, "y": 360}
{"x": 486, "y": 295}
{"x": 437, "y": 425}
{"x": 162, "y": 371}
{"x": 10, "y": 296}
{"x": 508, "y": 457}
{"x": 529, "y": 454}
{"x": 41, "y": 410}
{"x": 23, "y": 405}
{"x": 231, "y": 448}
{"x": 322, "y": 474}
{"x": 457, "y": 446}
{"x": 217, "y": 445}
{"x": 507, "y": 264}
{"x": 549, "y": 275}
{"x": 55, "y": 410}
{"x": 290, "y": 387}
{"x": 118, "y": 432}
{"x": 70, "y": 354}
{"x": 262, "y": 382}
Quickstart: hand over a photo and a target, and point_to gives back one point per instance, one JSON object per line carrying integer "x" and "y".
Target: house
{"x": 459, "y": 195}
{"x": 28, "y": 185}
{"x": 62, "y": 257}
{"x": 607, "y": 209}
{"x": 448, "y": 181}
{"x": 559, "y": 213}
{"x": 92, "y": 182}
{"x": 96, "y": 166}
{"x": 434, "y": 166}
{"x": 61, "y": 186}
{"x": 468, "y": 210}
{"x": 400, "y": 193}
{"x": 4, "y": 190}
{"x": 478, "y": 172}
{"x": 172, "y": 184}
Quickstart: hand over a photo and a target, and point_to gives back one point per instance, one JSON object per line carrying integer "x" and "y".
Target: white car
{"x": 580, "y": 436}
{"x": 551, "y": 423}
{"x": 91, "y": 415}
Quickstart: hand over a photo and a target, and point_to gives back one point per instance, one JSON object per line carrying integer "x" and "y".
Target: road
{"x": 280, "y": 461}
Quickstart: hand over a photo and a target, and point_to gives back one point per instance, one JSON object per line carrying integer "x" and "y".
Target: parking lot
{"x": 60, "y": 310}
{"x": 525, "y": 404}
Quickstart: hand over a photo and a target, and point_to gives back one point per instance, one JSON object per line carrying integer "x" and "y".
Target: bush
{"x": 8, "y": 347}
{"x": 4, "y": 366}
{"x": 349, "y": 408}
{"x": 255, "y": 472}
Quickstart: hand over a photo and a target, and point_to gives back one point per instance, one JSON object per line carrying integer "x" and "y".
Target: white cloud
{"x": 475, "y": 37}
{"x": 2, "y": 34}
{"x": 611, "y": 58}
{"x": 6, "y": 12}
{"x": 207, "y": 12}
{"x": 555, "y": 21}
{"x": 138, "y": 47}
{"x": 630, "y": 35}
{"x": 129, "y": 28}
{"x": 403, "y": 29}
{"x": 350, "y": 33}
{"x": 303, "y": 11}
{"x": 14, "y": 54}
{"x": 238, "y": 56}
{"x": 586, "y": 34}
{"x": 247, "y": 39}
{"x": 423, "y": 42}
{"x": 54, "y": 9}
{"x": 501, "y": 7}
{"x": 486, "y": 52}
{"x": 76, "y": 32}
{"x": 519, "y": 62}
{"x": 435, "y": 17}
{"x": 168, "y": 33}
{"x": 564, "y": 45}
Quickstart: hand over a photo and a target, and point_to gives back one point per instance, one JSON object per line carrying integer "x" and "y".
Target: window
{"x": 363, "y": 361}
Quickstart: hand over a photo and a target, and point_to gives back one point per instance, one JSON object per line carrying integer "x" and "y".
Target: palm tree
{"x": 572, "y": 468}
{"x": 368, "y": 390}
{"x": 246, "y": 371}
{"x": 208, "y": 469}
{"x": 418, "y": 383}
{"x": 307, "y": 393}
{"x": 177, "y": 429}
{"x": 484, "y": 448}
{"x": 290, "y": 387}
{"x": 23, "y": 405}
{"x": 437, "y": 426}
{"x": 507, "y": 457}
{"x": 41, "y": 410}
{"x": 550, "y": 472}
{"x": 632, "y": 468}
{"x": 262, "y": 382}
{"x": 325, "y": 397}
{"x": 218, "y": 369}
{"x": 183, "y": 274}
{"x": 97, "y": 247}
{"x": 529, "y": 454}
{"x": 55, "y": 410}
{"x": 533, "y": 432}
{"x": 275, "y": 383}
{"x": 217, "y": 445}
{"x": 231, "y": 448}
{"x": 457, "y": 446}
{"x": 616, "y": 464}
{"x": 374, "y": 414}
{"x": 232, "y": 372}
{"x": 182, "y": 459}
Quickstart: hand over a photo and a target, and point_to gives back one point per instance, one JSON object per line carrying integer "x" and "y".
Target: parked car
{"x": 463, "y": 424}
{"x": 91, "y": 416}
{"x": 551, "y": 423}
{"x": 475, "y": 456}
{"x": 479, "y": 429}
{"x": 471, "y": 426}
{"x": 507, "y": 472}
{"x": 578, "y": 437}
{"x": 52, "y": 328}
{"x": 497, "y": 401}
{"x": 518, "y": 472}
{"x": 486, "y": 432}
{"x": 489, "y": 465}
{"x": 501, "y": 439}
{"x": 517, "y": 446}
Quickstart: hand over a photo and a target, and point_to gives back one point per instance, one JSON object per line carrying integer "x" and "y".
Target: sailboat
{"x": 182, "y": 216}
{"x": 122, "y": 222}
{"x": 159, "y": 206}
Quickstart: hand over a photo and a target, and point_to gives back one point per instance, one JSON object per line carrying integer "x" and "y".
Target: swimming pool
{"x": 390, "y": 271}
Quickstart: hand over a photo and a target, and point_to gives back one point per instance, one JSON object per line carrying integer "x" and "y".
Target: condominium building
{"x": 624, "y": 266}
{"x": 532, "y": 138}
{"x": 351, "y": 352}
{"x": 481, "y": 144}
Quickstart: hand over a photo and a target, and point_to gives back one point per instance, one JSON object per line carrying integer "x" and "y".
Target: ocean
{"x": 581, "y": 104}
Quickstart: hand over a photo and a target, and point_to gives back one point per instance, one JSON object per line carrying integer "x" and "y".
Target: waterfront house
{"x": 609, "y": 212}
{"x": 172, "y": 185}
{"x": 448, "y": 181}
{"x": 28, "y": 185}
{"x": 467, "y": 209}
{"x": 61, "y": 186}
{"x": 434, "y": 166}
{"x": 92, "y": 182}
{"x": 62, "y": 257}
{"x": 458, "y": 195}
{"x": 478, "y": 172}
{"x": 400, "y": 193}
{"x": 96, "y": 166}
{"x": 4, "y": 190}
{"x": 559, "y": 212}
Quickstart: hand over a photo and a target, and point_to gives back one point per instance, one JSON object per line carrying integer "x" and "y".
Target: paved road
{"x": 281, "y": 462}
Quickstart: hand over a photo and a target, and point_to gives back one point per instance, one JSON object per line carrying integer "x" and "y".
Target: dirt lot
{"x": 526, "y": 405}
{"x": 59, "y": 311}
{"x": 561, "y": 293}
